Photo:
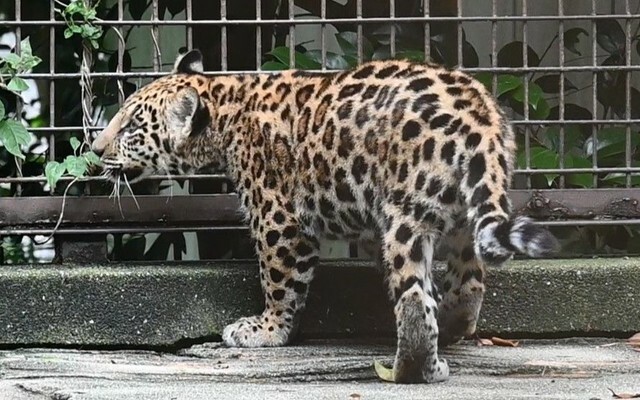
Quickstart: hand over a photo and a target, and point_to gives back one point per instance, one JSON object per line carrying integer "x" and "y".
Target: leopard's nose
{"x": 97, "y": 148}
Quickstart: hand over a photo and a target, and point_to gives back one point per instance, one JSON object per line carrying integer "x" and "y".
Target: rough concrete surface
{"x": 157, "y": 305}
{"x": 553, "y": 369}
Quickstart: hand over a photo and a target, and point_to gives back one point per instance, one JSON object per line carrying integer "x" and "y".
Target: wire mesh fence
{"x": 568, "y": 73}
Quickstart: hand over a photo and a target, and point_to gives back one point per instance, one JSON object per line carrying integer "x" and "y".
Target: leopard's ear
{"x": 188, "y": 63}
{"x": 187, "y": 114}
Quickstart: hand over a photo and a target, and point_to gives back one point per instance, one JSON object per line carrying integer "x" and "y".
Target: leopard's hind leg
{"x": 408, "y": 254}
{"x": 462, "y": 288}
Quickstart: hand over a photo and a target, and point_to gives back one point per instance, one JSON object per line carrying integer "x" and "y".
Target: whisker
{"x": 126, "y": 181}
{"x": 118, "y": 196}
{"x": 168, "y": 172}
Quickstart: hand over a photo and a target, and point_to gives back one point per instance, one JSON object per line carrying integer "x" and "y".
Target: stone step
{"x": 142, "y": 305}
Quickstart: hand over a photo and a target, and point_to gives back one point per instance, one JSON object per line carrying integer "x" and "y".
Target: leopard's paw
{"x": 255, "y": 331}
{"x": 439, "y": 373}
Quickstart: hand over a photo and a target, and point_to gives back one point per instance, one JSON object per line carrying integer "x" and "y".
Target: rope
{"x": 86, "y": 87}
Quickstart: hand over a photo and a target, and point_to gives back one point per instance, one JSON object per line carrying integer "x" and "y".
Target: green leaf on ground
{"x": 384, "y": 373}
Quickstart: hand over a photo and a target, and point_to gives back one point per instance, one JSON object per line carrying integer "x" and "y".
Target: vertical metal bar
{"x": 18, "y": 18}
{"x": 427, "y": 30}
{"x": 157, "y": 58}
{"x": 494, "y": 47}
{"x": 189, "y": 8}
{"x": 359, "y": 30}
{"x": 627, "y": 88}
{"x": 120, "y": 51}
{"x": 594, "y": 91}
{"x": 459, "y": 32}
{"x": 292, "y": 36}
{"x": 223, "y": 36}
{"x": 525, "y": 64}
{"x": 258, "y": 35}
{"x": 561, "y": 99}
{"x": 392, "y": 27}
{"x": 52, "y": 86}
{"x": 323, "y": 34}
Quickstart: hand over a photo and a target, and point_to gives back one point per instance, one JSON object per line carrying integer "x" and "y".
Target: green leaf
{"x": 137, "y": 8}
{"x": 76, "y": 166}
{"x": 302, "y": 61}
{"x": 12, "y": 59}
{"x": 17, "y": 84}
{"x": 610, "y": 36}
{"x": 25, "y": 47}
{"x": 92, "y": 158}
{"x": 13, "y": 135}
{"x": 581, "y": 180}
{"x": 485, "y": 78}
{"x": 54, "y": 171}
{"x": 550, "y": 138}
{"x": 535, "y": 94}
{"x": 542, "y": 110}
{"x": 348, "y": 42}
{"x": 68, "y": 33}
{"x": 551, "y": 83}
{"x": 412, "y": 55}
{"x": 2, "y": 111}
{"x": 384, "y": 373}
{"x": 620, "y": 179}
{"x": 74, "y": 142}
{"x": 274, "y": 66}
{"x": 611, "y": 142}
{"x": 281, "y": 54}
{"x": 36, "y": 158}
{"x": 572, "y": 38}
{"x": 541, "y": 158}
{"x": 332, "y": 60}
{"x": 511, "y": 55}
{"x": 508, "y": 83}
{"x": 305, "y": 62}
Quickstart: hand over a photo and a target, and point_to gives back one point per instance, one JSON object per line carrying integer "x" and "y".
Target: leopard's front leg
{"x": 287, "y": 258}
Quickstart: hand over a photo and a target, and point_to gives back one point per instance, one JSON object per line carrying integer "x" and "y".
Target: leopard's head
{"x": 164, "y": 127}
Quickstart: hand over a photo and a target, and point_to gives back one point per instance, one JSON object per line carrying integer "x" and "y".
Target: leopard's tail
{"x": 498, "y": 234}
{"x": 496, "y": 239}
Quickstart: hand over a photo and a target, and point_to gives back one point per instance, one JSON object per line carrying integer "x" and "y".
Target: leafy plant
{"x": 13, "y": 134}
{"x": 76, "y": 165}
{"x": 81, "y": 20}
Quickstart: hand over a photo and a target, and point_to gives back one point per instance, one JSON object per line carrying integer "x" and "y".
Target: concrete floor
{"x": 536, "y": 369}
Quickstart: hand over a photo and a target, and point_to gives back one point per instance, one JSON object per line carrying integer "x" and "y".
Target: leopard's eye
{"x": 129, "y": 128}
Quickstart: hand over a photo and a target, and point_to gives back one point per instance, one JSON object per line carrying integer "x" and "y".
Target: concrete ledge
{"x": 159, "y": 305}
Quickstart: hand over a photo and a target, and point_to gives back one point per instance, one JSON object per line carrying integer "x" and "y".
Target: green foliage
{"x": 81, "y": 20}
{"x": 76, "y": 165}
{"x": 13, "y": 134}
{"x": 13, "y": 64}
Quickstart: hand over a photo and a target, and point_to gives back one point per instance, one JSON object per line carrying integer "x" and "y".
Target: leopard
{"x": 410, "y": 155}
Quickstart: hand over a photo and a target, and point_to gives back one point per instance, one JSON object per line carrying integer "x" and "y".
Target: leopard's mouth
{"x": 115, "y": 172}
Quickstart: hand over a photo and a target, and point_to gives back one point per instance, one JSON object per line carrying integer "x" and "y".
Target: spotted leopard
{"x": 410, "y": 154}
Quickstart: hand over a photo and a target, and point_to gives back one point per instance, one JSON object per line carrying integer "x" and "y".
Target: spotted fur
{"x": 411, "y": 154}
